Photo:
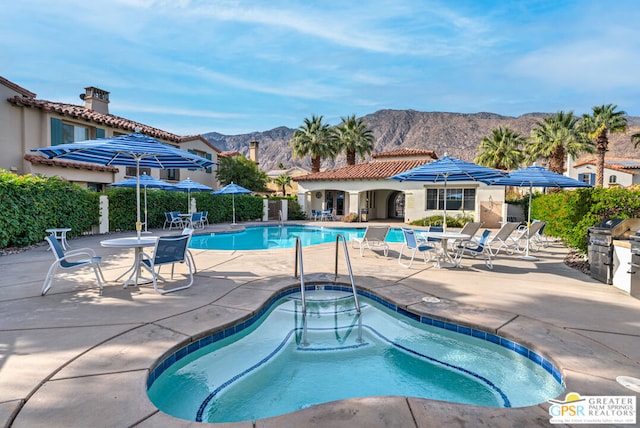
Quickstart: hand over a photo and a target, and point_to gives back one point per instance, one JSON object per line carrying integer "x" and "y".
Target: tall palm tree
{"x": 554, "y": 137}
{"x": 602, "y": 121}
{"x": 315, "y": 139}
{"x": 283, "y": 180}
{"x": 354, "y": 137}
{"x": 502, "y": 149}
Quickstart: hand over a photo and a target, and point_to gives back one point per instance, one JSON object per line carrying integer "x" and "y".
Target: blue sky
{"x": 195, "y": 66}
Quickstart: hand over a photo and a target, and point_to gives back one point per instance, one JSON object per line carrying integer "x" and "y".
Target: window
{"x": 457, "y": 199}
{"x": 587, "y": 178}
{"x": 170, "y": 174}
{"x": 96, "y": 187}
{"x": 65, "y": 132}
{"x": 613, "y": 179}
{"x": 131, "y": 171}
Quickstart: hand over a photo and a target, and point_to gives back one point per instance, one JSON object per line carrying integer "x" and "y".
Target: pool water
{"x": 274, "y": 237}
{"x": 285, "y": 362}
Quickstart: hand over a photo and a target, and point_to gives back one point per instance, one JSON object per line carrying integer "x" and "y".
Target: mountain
{"x": 457, "y": 134}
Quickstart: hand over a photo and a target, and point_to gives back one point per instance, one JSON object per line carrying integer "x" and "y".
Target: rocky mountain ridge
{"x": 457, "y": 134}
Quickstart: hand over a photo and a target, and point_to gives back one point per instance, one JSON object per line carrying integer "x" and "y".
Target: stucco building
{"x": 365, "y": 186}
{"x": 27, "y": 122}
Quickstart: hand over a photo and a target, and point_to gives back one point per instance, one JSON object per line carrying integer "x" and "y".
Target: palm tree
{"x": 502, "y": 149}
{"x": 635, "y": 139}
{"x": 283, "y": 180}
{"x": 556, "y": 136}
{"x": 354, "y": 137}
{"x": 604, "y": 120}
{"x": 315, "y": 139}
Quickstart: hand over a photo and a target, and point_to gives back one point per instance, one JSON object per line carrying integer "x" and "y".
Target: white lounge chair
{"x": 504, "y": 240}
{"x": 525, "y": 234}
{"x": 415, "y": 245}
{"x": 470, "y": 228}
{"x": 374, "y": 236}
{"x": 70, "y": 260}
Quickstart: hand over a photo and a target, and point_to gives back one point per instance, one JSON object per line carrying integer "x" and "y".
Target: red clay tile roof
{"x": 69, "y": 164}
{"x": 17, "y": 88}
{"x": 627, "y": 165}
{"x": 229, "y": 154}
{"x": 81, "y": 112}
{"x": 364, "y": 171}
{"x": 404, "y": 153}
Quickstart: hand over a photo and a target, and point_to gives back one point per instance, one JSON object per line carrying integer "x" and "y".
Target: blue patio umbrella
{"x": 135, "y": 149}
{"x": 448, "y": 169}
{"x": 232, "y": 189}
{"x": 536, "y": 176}
{"x": 146, "y": 181}
{"x": 188, "y": 186}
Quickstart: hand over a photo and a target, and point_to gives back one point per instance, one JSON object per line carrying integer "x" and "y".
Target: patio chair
{"x": 172, "y": 219}
{"x": 327, "y": 215}
{"x": 504, "y": 240}
{"x": 415, "y": 245}
{"x": 315, "y": 214}
{"x": 70, "y": 260}
{"x": 205, "y": 218}
{"x": 189, "y": 231}
{"x": 374, "y": 236}
{"x": 169, "y": 250}
{"x": 195, "y": 221}
{"x": 474, "y": 248}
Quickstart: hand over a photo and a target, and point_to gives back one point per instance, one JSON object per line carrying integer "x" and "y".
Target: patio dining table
{"x": 138, "y": 244}
{"x": 444, "y": 258}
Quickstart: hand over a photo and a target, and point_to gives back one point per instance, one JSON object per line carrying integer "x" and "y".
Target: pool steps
{"x": 298, "y": 261}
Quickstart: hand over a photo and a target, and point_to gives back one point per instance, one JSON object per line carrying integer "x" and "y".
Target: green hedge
{"x": 570, "y": 213}
{"x": 122, "y": 207}
{"x": 30, "y": 204}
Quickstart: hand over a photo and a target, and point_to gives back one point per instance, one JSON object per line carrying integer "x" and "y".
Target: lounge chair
{"x": 504, "y": 240}
{"x": 540, "y": 239}
{"x": 70, "y": 260}
{"x": 374, "y": 236}
{"x": 169, "y": 250}
{"x": 475, "y": 248}
{"x": 470, "y": 228}
{"x": 415, "y": 245}
{"x": 525, "y": 234}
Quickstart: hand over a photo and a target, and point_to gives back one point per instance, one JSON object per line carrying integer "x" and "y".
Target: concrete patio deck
{"x": 78, "y": 357}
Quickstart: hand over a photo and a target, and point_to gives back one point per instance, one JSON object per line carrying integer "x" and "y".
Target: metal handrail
{"x": 298, "y": 260}
{"x": 348, "y": 260}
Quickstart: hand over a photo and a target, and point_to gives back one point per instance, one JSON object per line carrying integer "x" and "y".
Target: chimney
{"x": 253, "y": 151}
{"x": 96, "y": 99}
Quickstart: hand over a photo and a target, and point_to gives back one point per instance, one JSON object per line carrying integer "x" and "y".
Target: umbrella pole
{"x": 138, "y": 223}
{"x": 146, "y": 221}
{"x": 526, "y": 255}
{"x": 444, "y": 222}
{"x": 233, "y": 205}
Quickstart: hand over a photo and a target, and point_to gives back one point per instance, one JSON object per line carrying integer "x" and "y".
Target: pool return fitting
{"x": 298, "y": 262}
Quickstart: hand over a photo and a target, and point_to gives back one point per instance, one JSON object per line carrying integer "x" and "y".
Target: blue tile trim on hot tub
{"x": 446, "y": 325}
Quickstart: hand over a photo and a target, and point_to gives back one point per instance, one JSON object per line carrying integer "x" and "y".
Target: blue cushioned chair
{"x": 169, "y": 250}
{"x": 412, "y": 243}
{"x": 475, "y": 248}
{"x": 70, "y": 260}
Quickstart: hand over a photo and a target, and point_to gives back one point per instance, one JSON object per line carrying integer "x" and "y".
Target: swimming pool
{"x": 279, "y": 362}
{"x": 274, "y": 237}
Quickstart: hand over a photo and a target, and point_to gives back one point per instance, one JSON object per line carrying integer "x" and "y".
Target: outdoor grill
{"x": 600, "y": 245}
{"x": 634, "y": 268}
